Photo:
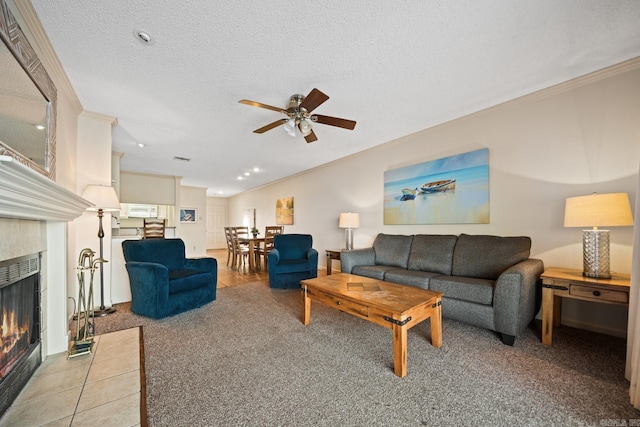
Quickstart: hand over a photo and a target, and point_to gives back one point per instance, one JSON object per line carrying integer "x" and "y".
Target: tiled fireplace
{"x": 35, "y": 214}
{"x": 20, "y": 349}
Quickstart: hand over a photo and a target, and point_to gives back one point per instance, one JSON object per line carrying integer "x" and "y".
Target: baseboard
{"x": 594, "y": 328}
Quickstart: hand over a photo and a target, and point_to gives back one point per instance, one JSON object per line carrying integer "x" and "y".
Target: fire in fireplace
{"x": 20, "y": 354}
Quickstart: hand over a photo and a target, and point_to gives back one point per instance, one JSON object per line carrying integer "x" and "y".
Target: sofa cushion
{"x": 293, "y": 266}
{"x": 486, "y": 257}
{"x": 479, "y": 291}
{"x": 293, "y": 246}
{"x": 372, "y": 271}
{"x": 417, "y": 278}
{"x": 430, "y": 252}
{"x": 168, "y": 252}
{"x": 392, "y": 250}
{"x": 188, "y": 280}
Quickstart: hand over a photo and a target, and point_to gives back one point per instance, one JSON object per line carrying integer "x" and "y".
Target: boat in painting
{"x": 439, "y": 186}
{"x": 408, "y": 194}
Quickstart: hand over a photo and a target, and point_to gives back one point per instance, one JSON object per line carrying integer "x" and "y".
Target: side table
{"x": 560, "y": 283}
{"x": 331, "y": 255}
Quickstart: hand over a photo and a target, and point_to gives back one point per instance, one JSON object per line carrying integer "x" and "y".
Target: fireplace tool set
{"x": 85, "y": 328}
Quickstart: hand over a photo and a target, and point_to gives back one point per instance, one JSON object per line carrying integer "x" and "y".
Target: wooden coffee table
{"x": 397, "y": 307}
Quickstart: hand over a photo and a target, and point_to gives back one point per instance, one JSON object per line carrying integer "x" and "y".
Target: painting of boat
{"x": 439, "y": 186}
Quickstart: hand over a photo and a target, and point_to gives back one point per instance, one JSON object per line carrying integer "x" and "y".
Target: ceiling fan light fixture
{"x": 305, "y": 127}
{"x": 290, "y": 127}
{"x": 298, "y": 113}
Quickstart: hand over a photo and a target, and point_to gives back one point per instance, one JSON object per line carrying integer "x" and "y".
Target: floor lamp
{"x": 104, "y": 199}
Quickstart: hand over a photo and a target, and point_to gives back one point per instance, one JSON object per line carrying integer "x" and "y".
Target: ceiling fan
{"x": 299, "y": 115}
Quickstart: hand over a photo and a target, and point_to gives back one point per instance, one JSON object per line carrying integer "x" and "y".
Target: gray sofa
{"x": 487, "y": 281}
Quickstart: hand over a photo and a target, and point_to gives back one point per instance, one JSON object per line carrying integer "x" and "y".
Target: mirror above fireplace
{"x": 27, "y": 101}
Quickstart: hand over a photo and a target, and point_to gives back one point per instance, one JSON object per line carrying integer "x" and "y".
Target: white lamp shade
{"x": 305, "y": 127}
{"x": 598, "y": 210}
{"x": 349, "y": 220}
{"x": 102, "y": 196}
{"x": 290, "y": 127}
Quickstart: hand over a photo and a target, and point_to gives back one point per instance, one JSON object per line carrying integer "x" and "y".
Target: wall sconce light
{"x": 597, "y": 210}
{"x": 349, "y": 221}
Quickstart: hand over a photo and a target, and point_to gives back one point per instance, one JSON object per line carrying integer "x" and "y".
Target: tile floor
{"x": 102, "y": 388}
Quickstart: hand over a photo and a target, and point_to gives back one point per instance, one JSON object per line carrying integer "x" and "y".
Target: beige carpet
{"x": 246, "y": 359}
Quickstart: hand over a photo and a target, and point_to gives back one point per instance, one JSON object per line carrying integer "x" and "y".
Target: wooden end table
{"x": 331, "y": 255}
{"x": 560, "y": 283}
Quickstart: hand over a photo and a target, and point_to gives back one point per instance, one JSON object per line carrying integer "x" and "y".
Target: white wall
{"x": 94, "y": 167}
{"x": 574, "y": 139}
{"x": 194, "y": 235}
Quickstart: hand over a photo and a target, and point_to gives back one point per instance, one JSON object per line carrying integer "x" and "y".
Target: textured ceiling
{"x": 394, "y": 67}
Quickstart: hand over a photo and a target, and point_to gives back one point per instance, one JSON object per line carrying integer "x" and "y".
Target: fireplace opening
{"x": 20, "y": 352}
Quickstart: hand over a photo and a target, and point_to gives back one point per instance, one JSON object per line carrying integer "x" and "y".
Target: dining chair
{"x": 153, "y": 228}
{"x": 230, "y": 252}
{"x": 240, "y": 249}
{"x": 269, "y": 232}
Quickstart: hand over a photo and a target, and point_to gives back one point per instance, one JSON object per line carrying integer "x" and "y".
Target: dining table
{"x": 254, "y": 244}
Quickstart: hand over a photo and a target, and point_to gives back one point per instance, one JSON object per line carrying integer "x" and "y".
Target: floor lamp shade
{"x": 104, "y": 199}
{"x": 349, "y": 221}
{"x": 597, "y": 210}
{"x": 102, "y": 196}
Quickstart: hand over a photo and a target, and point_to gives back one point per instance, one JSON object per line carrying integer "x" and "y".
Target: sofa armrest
{"x": 273, "y": 257}
{"x": 312, "y": 256}
{"x": 202, "y": 264}
{"x": 149, "y": 283}
{"x": 350, "y": 259}
{"x": 514, "y": 299}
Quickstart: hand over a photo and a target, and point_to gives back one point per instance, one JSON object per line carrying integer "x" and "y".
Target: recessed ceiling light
{"x": 256, "y": 169}
{"x": 239, "y": 178}
{"x": 140, "y": 144}
{"x": 144, "y": 37}
{"x": 39, "y": 127}
{"x": 247, "y": 174}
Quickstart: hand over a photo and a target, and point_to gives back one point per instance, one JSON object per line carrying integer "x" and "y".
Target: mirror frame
{"x": 17, "y": 43}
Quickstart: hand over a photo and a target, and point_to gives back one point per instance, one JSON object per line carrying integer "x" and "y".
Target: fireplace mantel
{"x": 27, "y": 194}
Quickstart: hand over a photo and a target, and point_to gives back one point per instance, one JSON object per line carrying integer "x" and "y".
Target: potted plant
{"x": 255, "y": 232}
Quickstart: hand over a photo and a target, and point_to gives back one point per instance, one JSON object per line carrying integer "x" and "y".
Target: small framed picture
{"x": 188, "y": 215}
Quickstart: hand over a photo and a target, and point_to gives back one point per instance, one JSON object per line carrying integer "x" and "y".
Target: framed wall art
{"x": 450, "y": 190}
{"x": 188, "y": 215}
{"x": 284, "y": 211}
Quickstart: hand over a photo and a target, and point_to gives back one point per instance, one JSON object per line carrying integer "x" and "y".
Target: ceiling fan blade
{"x": 333, "y": 121}
{"x": 270, "y": 126}
{"x": 261, "y": 105}
{"x": 311, "y": 137}
{"x": 313, "y": 100}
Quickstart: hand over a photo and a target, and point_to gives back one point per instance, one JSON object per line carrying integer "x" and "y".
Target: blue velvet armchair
{"x": 291, "y": 260}
{"x": 163, "y": 282}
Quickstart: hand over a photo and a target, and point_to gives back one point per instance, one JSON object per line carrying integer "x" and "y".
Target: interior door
{"x": 216, "y": 220}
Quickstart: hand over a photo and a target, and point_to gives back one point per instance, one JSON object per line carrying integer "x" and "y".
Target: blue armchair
{"x": 163, "y": 282}
{"x": 291, "y": 260}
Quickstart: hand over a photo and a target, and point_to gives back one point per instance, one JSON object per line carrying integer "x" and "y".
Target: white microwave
{"x": 142, "y": 211}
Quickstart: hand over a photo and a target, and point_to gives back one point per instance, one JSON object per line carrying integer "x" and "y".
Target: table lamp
{"x": 349, "y": 221}
{"x": 105, "y": 200}
{"x": 597, "y": 210}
